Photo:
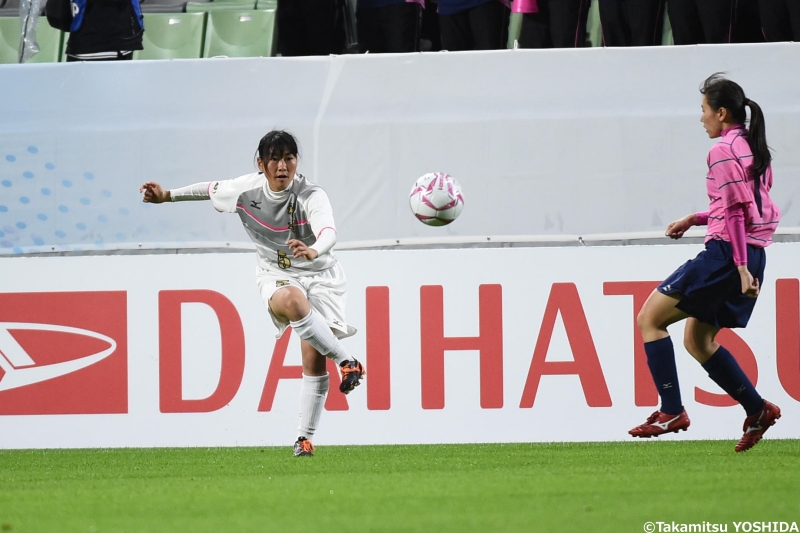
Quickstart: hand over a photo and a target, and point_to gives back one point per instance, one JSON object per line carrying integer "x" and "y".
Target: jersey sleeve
{"x": 225, "y": 193}
{"x": 320, "y": 217}
{"x": 729, "y": 177}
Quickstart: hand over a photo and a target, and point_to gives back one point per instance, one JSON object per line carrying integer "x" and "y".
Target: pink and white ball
{"x": 436, "y": 199}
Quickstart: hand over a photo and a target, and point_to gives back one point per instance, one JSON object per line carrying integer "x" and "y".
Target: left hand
{"x": 750, "y": 286}
{"x": 299, "y": 249}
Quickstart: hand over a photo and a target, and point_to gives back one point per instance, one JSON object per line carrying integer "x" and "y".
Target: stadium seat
{"x": 49, "y": 39}
{"x": 10, "y": 8}
{"x": 666, "y": 35}
{"x": 243, "y": 33}
{"x": 514, "y": 29}
{"x": 163, "y": 6}
{"x": 220, "y": 5}
{"x": 266, "y": 4}
{"x": 594, "y": 31}
{"x": 172, "y": 36}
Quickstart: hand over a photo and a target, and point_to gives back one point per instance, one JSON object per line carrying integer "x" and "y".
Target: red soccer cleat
{"x": 659, "y": 423}
{"x": 755, "y": 426}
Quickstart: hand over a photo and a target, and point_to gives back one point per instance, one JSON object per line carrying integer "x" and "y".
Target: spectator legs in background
{"x": 431, "y": 40}
{"x": 717, "y": 17}
{"x": 307, "y": 27}
{"x": 631, "y": 22}
{"x": 389, "y": 29}
{"x": 780, "y": 20}
{"x": 685, "y": 21}
{"x": 484, "y": 27}
{"x": 558, "y": 24}
{"x": 747, "y": 22}
{"x": 614, "y": 23}
{"x": 646, "y": 18}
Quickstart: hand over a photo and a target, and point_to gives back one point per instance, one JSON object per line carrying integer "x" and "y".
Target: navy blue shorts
{"x": 711, "y": 287}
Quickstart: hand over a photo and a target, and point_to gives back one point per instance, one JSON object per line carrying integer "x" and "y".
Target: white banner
{"x": 464, "y": 345}
{"x": 543, "y": 142}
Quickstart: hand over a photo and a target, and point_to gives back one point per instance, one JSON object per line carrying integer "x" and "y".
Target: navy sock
{"x": 726, "y": 372}
{"x": 661, "y": 360}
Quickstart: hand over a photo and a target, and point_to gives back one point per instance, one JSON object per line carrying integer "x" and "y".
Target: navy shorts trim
{"x": 710, "y": 286}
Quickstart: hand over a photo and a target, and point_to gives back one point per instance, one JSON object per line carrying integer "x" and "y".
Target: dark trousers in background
{"x": 780, "y": 20}
{"x": 389, "y": 29}
{"x": 308, "y": 28}
{"x": 558, "y": 24}
{"x": 714, "y": 21}
{"x": 701, "y": 21}
{"x": 484, "y": 27}
{"x": 632, "y": 22}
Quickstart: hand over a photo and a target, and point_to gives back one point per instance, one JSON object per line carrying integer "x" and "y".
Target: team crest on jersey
{"x": 291, "y": 209}
{"x": 283, "y": 260}
{"x": 282, "y": 283}
{"x": 214, "y": 189}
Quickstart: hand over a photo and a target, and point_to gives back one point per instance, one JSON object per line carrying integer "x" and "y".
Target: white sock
{"x": 312, "y": 401}
{"x": 313, "y": 329}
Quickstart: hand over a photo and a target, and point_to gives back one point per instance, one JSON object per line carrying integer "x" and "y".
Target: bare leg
{"x": 698, "y": 339}
{"x": 657, "y": 313}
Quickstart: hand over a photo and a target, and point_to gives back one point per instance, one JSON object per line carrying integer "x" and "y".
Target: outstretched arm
{"x": 155, "y": 194}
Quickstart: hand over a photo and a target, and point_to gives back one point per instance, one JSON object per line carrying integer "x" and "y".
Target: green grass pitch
{"x": 581, "y": 487}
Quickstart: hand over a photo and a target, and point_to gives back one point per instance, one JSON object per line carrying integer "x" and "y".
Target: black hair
{"x": 721, "y": 92}
{"x": 276, "y": 142}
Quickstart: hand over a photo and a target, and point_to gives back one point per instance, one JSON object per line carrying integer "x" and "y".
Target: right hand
{"x": 154, "y": 193}
{"x": 675, "y": 230}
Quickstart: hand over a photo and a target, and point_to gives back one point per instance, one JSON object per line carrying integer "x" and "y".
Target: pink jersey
{"x": 729, "y": 183}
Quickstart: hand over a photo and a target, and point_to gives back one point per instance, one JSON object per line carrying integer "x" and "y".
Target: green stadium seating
{"x": 49, "y": 39}
{"x": 594, "y": 32}
{"x": 514, "y": 27}
{"x": 220, "y": 5}
{"x": 266, "y": 4}
{"x": 163, "y": 6}
{"x": 242, "y": 33}
{"x": 172, "y": 36}
{"x": 666, "y": 35}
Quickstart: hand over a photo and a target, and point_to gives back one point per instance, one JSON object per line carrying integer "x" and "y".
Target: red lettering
{"x": 170, "y": 371}
{"x": 644, "y": 390}
{"x": 787, "y": 329}
{"x": 564, "y": 298}
{"x": 278, "y": 371}
{"x": 743, "y": 355}
{"x": 489, "y": 343}
{"x": 378, "y": 349}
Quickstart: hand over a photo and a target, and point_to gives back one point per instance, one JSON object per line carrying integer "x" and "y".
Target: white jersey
{"x": 302, "y": 211}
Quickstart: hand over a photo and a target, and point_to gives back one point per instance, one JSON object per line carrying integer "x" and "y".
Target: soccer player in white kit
{"x": 290, "y": 220}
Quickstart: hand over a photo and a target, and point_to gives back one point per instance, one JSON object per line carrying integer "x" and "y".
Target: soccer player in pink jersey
{"x": 717, "y": 289}
{"x": 290, "y": 220}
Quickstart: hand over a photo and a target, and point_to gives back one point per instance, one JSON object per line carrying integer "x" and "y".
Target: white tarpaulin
{"x": 544, "y": 142}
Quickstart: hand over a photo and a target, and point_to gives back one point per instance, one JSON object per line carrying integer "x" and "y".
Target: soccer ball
{"x": 436, "y": 199}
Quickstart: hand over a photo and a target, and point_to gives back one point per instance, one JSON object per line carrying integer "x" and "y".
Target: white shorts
{"x": 326, "y": 291}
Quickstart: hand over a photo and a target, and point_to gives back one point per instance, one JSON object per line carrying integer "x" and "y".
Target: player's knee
{"x": 293, "y": 304}
{"x": 690, "y": 343}
{"x": 644, "y": 320}
{"x": 698, "y": 347}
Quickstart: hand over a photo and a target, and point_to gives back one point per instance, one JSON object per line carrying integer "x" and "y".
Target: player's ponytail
{"x": 721, "y": 92}
{"x": 757, "y": 139}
